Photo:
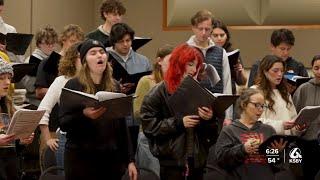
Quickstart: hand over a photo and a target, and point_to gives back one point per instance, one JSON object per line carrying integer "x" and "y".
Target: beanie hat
{"x": 86, "y": 45}
{"x": 5, "y": 67}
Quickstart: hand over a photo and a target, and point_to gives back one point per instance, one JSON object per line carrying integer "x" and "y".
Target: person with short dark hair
{"x": 281, "y": 43}
{"x": 121, "y": 37}
{"x": 111, "y": 12}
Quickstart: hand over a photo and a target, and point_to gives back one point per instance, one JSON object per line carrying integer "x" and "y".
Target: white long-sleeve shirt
{"x": 51, "y": 98}
{"x": 281, "y": 113}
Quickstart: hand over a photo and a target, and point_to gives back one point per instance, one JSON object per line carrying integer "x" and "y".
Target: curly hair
{"x": 47, "y": 34}
{"x": 112, "y": 6}
{"x": 180, "y": 56}
{"x": 67, "y": 64}
{"x": 264, "y": 84}
{"x": 69, "y": 31}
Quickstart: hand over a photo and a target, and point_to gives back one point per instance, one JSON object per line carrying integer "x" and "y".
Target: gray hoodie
{"x": 231, "y": 155}
{"x": 308, "y": 94}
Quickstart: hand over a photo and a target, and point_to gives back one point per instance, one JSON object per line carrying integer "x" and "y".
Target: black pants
{"x": 310, "y": 158}
{"x": 93, "y": 165}
{"x": 176, "y": 173}
{"x": 8, "y": 168}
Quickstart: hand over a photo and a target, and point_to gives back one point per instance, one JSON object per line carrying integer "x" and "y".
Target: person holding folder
{"x": 201, "y": 24}
{"x": 166, "y": 133}
{"x": 96, "y": 147}
{"x": 308, "y": 94}
{"x": 221, "y": 37}
{"x": 281, "y": 110}
{"x": 237, "y": 147}
{"x": 8, "y": 154}
{"x": 46, "y": 39}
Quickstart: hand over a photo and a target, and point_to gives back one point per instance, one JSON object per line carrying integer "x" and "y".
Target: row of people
{"x": 202, "y": 28}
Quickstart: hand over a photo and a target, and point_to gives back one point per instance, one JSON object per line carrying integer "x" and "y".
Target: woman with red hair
{"x": 166, "y": 133}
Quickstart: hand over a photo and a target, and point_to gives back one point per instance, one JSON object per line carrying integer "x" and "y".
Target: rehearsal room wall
{"x": 145, "y": 17}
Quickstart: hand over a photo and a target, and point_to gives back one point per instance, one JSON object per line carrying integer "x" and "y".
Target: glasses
{"x": 259, "y": 106}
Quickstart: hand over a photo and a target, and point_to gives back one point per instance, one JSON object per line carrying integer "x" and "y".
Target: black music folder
{"x": 233, "y": 57}
{"x": 20, "y": 70}
{"x": 295, "y": 80}
{"x": 36, "y": 61}
{"x": 121, "y": 74}
{"x": 138, "y": 42}
{"x": 52, "y": 63}
{"x": 118, "y": 105}
{"x": 18, "y": 43}
{"x": 266, "y": 144}
{"x": 190, "y": 95}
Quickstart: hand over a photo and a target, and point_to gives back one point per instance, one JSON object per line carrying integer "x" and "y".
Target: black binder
{"x": 36, "y": 61}
{"x": 266, "y": 144}
{"x": 52, "y": 63}
{"x": 18, "y": 43}
{"x": 190, "y": 95}
{"x": 20, "y": 70}
{"x": 117, "y": 107}
{"x": 138, "y": 42}
{"x": 120, "y": 73}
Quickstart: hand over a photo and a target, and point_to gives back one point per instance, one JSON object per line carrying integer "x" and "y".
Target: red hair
{"x": 180, "y": 56}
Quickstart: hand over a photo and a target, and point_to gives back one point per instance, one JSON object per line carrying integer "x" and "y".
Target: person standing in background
{"x": 308, "y": 94}
{"x": 221, "y": 37}
{"x": 281, "y": 43}
{"x": 46, "y": 39}
{"x": 111, "y": 12}
{"x": 6, "y": 28}
{"x": 213, "y": 54}
{"x": 144, "y": 158}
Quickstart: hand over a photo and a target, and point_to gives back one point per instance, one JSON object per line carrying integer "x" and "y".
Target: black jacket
{"x": 85, "y": 134}
{"x": 166, "y": 133}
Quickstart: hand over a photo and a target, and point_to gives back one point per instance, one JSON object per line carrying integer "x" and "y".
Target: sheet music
{"x": 24, "y": 122}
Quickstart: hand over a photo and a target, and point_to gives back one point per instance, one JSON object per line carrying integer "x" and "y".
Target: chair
{"x": 53, "y": 173}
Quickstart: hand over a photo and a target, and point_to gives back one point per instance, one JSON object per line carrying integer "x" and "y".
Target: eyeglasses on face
{"x": 259, "y": 106}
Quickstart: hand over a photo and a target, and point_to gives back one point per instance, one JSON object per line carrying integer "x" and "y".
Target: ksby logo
{"x": 295, "y": 155}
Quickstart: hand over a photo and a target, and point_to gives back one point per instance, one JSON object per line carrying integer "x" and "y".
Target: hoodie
{"x": 231, "y": 154}
{"x": 308, "y": 94}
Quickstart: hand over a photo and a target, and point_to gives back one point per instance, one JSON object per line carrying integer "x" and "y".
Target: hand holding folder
{"x": 267, "y": 144}
{"x": 190, "y": 95}
{"x": 118, "y": 105}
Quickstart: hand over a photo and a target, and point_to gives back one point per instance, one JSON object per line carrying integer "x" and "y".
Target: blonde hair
{"x": 69, "y": 31}
{"x": 67, "y": 64}
{"x": 107, "y": 82}
{"x": 47, "y": 34}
